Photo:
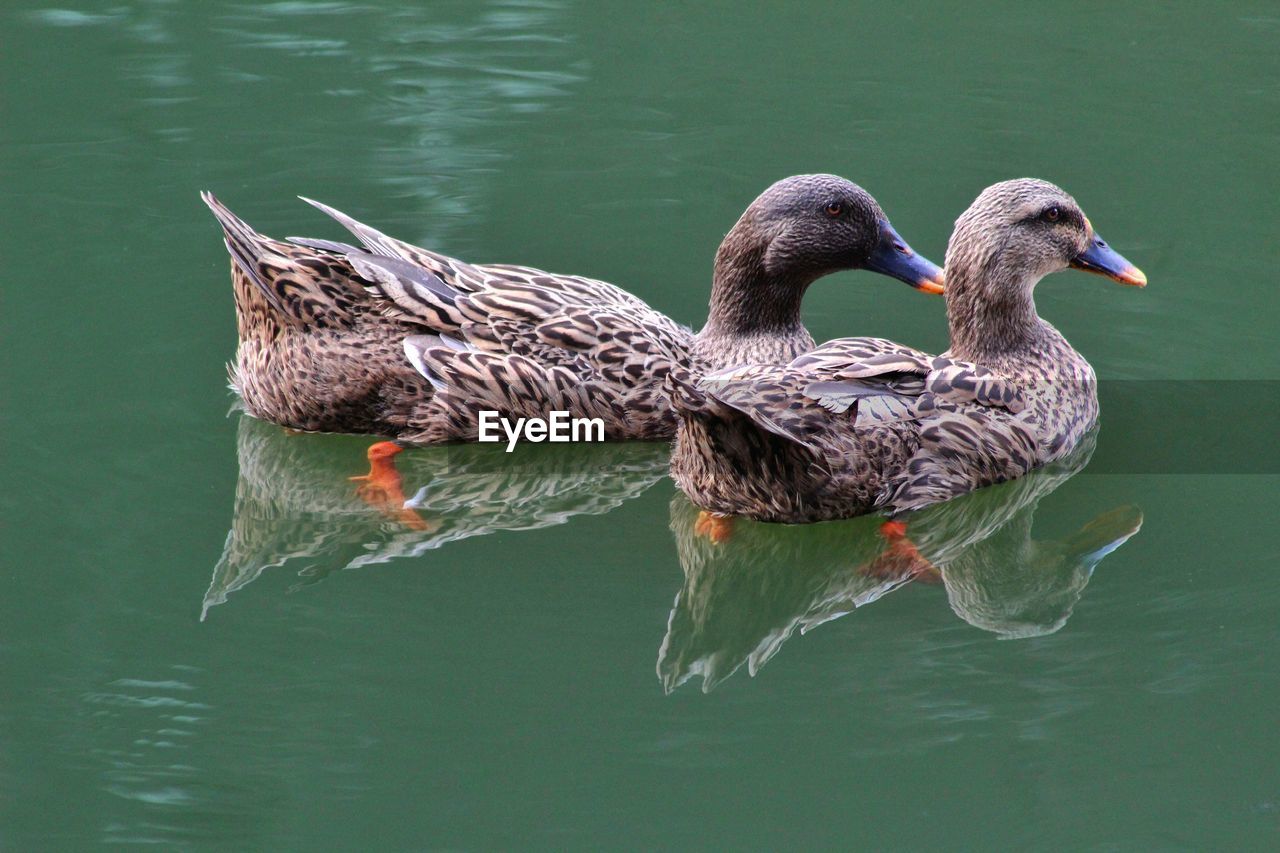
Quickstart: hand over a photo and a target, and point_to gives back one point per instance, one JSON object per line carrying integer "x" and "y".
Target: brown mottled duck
{"x": 865, "y": 424}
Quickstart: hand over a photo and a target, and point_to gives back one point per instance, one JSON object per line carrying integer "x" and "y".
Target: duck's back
{"x": 862, "y": 424}
{"x": 337, "y": 338}
{"x": 757, "y": 441}
{"x": 970, "y": 445}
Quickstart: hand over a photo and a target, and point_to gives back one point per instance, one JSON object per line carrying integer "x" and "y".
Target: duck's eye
{"x": 1053, "y": 214}
{"x": 834, "y": 209}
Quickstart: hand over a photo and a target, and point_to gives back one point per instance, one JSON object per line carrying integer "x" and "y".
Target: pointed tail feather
{"x": 373, "y": 239}
{"x": 333, "y": 246}
{"x": 399, "y": 280}
{"x": 418, "y": 286}
{"x": 309, "y": 285}
{"x": 246, "y": 246}
{"x": 411, "y": 292}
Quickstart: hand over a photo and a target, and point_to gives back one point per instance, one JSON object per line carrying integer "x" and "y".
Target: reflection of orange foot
{"x": 381, "y": 489}
{"x": 717, "y": 528}
{"x": 901, "y": 559}
{"x": 893, "y": 530}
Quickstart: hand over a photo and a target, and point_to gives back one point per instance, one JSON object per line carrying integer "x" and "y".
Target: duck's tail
{"x": 249, "y": 249}
{"x": 374, "y": 240}
{"x": 415, "y": 284}
{"x": 311, "y": 285}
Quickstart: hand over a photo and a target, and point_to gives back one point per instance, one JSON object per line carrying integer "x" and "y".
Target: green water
{"x": 208, "y": 641}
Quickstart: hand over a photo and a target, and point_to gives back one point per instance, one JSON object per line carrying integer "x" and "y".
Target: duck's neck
{"x": 754, "y": 314}
{"x": 991, "y": 313}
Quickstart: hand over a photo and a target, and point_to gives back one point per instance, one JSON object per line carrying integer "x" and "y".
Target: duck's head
{"x": 1016, "y": 232}
{"x": 807, "y": 226}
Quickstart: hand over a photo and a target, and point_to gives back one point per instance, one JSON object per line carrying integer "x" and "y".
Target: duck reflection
{"x": 295, "y": 504}
{"x": 744, "y": 597}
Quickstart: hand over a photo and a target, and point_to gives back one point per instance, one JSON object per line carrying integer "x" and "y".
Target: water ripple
{"x": 73, "y": 17}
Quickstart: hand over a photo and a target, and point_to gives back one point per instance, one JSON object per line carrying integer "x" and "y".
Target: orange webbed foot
{"x": 717, "y": 528}
{"x": 381, "y": 487}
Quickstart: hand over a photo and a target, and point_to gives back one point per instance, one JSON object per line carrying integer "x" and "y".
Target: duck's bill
{"x": 1102, "y": 259}
{"x": 893, "y": 257}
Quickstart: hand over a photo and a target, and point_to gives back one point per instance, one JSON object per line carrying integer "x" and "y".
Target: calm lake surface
{"x": 209, "y": 641}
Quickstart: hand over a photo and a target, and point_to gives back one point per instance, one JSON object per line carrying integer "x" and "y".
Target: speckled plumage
{"x": 863, "y": 424}
{"x": 316, "y": 352}
{"x": 325, "y": 327}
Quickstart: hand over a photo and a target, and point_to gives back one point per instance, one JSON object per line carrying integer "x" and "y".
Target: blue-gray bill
{"x": 893, "y": 257}
{"x": 1101, "y": 259}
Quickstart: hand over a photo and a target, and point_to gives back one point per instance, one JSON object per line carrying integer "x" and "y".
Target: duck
{"x": 861, "y": 425}
{"x": 395, "y": 340}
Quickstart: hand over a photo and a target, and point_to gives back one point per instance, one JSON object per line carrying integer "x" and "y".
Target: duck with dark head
{"x": 609, "y": 353}
{"x": 325, "y": 326}
{"x": 800, "y": 229}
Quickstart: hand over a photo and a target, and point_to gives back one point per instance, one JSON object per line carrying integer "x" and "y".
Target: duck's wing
{"x": 469, "y": 380}
{"x": 833, "y": 388}
{"x": 508, "y": 308}
{"x": 867, "y": 380}
{"x": 302, "y": 284}
{"x": 862, "y": 366}
{"x": 849, "y": 384}
{"x": 965, "y": 415}
{"x": 768, "y": 396}
{"x": 599, "y": 333}
{"x": 861, "y": 358}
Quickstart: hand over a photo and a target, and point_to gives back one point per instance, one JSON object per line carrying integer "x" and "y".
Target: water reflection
{"x": 456, "y": 89}
{"x": 429, "y": 100}
{"x": 742, "y": 599}
{"x": 295, "y": 503}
